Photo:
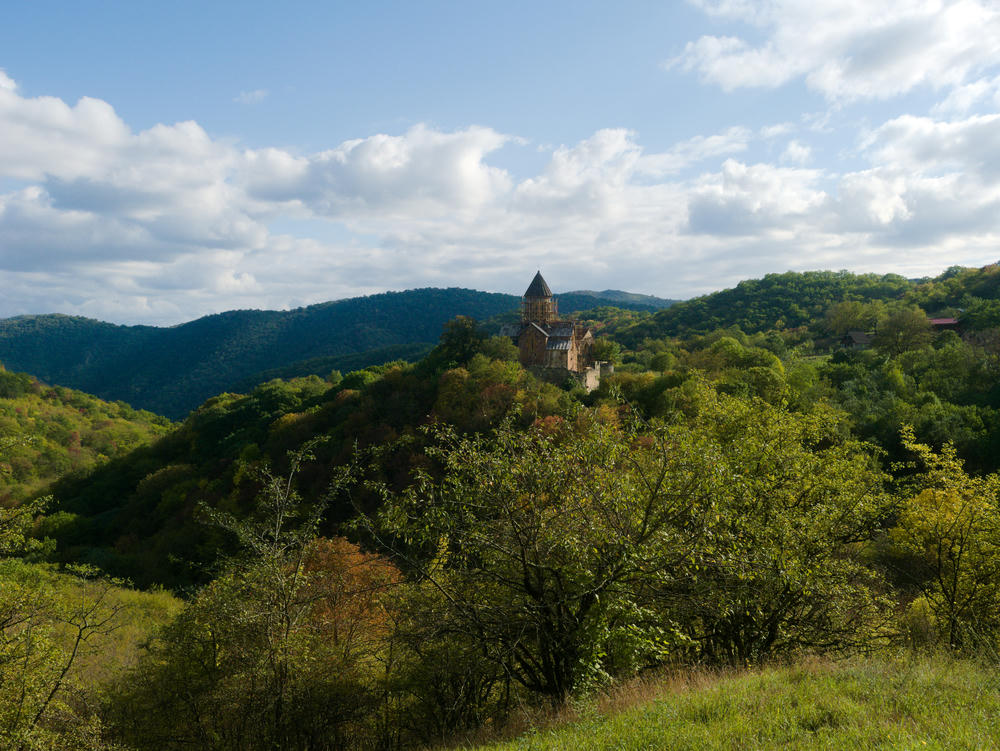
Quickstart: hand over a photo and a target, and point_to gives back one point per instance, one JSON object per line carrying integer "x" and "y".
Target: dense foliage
{"x": 62, "y": 637}
{"x": 777, "y": 301}
{"x": 137, "y": 517}
{"x": 587, "y": 548}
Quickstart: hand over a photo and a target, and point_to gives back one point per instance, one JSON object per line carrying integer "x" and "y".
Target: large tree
{"x": 950, "y": 525}
{"x": 277, "y": 652}
{"x": 902, "y": 330}
{"x": 583, "y": 547}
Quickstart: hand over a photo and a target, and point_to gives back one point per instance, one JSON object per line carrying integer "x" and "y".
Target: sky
{"x": 163, "y": 161}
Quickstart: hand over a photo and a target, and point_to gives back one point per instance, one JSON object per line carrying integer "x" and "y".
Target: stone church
{"x": 554, "y": 348}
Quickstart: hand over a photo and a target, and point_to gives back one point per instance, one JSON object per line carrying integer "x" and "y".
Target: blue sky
{"x": 161, "y": 162}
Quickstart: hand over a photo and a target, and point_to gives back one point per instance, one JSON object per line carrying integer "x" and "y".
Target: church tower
{"x": 537, "y": 305}
{"x": 555, "y": 350}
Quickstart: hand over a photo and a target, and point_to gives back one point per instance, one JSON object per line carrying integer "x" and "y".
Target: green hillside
{"x": 777, "y": 301}
{"x": 47, "y": 432}
{"x": 793, "y": 299}
{"x": 172, "y": 370}
{"x": 138, "y": 517}
{"x": 324, "y": 366}
{"x": 65, "y": 640}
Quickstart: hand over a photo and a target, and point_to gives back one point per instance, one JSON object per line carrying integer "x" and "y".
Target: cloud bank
{"x": 164, "y": 224}
{"x": 850, "y": 49}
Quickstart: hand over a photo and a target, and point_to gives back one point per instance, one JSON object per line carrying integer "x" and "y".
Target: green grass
{"x": 141, "y": 615}
{"x": 927, "y": 703}
{"x": 105, "y": 655}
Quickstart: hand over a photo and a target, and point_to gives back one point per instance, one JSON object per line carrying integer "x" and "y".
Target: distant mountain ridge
{"x": 617, "y": 296}
{"x": 172, "y": 370}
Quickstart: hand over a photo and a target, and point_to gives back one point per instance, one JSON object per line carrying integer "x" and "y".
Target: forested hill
{"x": 619, "y": 299}
{"x": 792, "y": 299}
{"x": 173, "y": 370}
{"x": 778, "y": 301}
{"x": 47, "y": 432}
{"x": 385, "y": 559}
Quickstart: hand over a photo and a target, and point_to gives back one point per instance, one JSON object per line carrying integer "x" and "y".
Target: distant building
{"x": 856, "y": 340}
{"x": 555, "y": 348}
{"x": 944, "y": 324}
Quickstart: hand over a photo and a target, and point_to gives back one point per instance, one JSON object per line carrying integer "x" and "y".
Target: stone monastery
{"x": 556, "y": 349}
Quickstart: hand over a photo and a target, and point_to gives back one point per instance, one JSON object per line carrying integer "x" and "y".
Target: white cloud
{"x": 932, "y": 182}
{"x": 687, "y": 153}
{"x": 98, "y": 185}
{"x": 423, "y": 168}
{"x": 251, "y": 97}
{"x": 796, "y": 153}
{"x": 868, "y": 201}
{"x": 44, "y": 136}
{"x": 587, "y": 178}
{"x": 961, "y": 99}
{"x": 747, "y": 199}
{"x": 849, "y": 49}
{"x": 777, "y": 130}
{"x": 921, "y": 145}
{"x": 168, "y": 223}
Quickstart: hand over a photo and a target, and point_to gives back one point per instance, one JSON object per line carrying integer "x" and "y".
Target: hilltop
{"x": 794, "y": 299}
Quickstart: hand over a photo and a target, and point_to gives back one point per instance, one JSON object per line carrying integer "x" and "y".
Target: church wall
{"x": 591, "y": 377}
{"x": 557, "y": 358}
{"x": 531, "y": 345}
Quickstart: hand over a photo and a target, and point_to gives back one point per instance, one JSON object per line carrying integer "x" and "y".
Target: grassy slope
{"x": 930, "y": 703}
{"x": 104, "y": 656}
{"x": 142, "y": 614}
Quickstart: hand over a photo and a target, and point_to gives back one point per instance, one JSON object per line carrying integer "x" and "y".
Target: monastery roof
{"x": 858, "y": 337}
{"x": 561, "y": 330}
{"x": 538, "y": 287}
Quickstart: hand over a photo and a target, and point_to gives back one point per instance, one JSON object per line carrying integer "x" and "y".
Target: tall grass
{"x": 934, "y": 702}
{"x": 116, "y": 648}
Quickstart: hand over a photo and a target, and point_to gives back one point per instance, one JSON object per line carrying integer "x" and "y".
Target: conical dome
{"x": 538, "y": 305}
{"x": 538, "y": 287}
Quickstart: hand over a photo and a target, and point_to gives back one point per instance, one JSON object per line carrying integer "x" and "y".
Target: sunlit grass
{"x": 115, "y": 647}
{"x": 926, "y": 703}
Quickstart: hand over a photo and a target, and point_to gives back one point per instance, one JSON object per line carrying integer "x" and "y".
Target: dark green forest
{"x": 171, "y": 371}
{"x": 405, "y": 554}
